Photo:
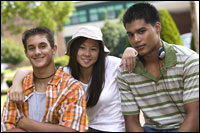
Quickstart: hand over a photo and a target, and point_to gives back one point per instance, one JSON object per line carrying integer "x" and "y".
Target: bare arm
{"x": 16, "y": 130}
{"x": 17, "y": 93}
{"x": 34, "y": 126}
{"x": 132, "y": 123}
{"x": 191, "y": 122}
{"x": 129, "y": 59}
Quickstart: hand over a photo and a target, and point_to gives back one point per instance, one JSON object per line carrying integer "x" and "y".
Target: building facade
{"x": 95, "y": 12}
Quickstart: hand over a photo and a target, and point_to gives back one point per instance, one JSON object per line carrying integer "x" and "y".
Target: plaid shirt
{"x": 65, "y": 103}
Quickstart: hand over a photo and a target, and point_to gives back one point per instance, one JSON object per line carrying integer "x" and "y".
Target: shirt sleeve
{"x": 10, "y": 115}
{"x": 74, "y": 107}
{"x": 129, "y": 106}
{"x": 191, "y": 79}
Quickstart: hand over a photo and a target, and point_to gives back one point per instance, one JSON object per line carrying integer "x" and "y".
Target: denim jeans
{"x": 148, "y": 129}
{"x": 94, "y": 130}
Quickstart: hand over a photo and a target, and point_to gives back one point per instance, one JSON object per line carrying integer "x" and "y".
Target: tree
{"x": 195, "y": 29}
{"x": 12, "y": 52}
{"x": 114, "y": 36}
{"x": 52, "y": 14}
{"x": 169, "y": 32}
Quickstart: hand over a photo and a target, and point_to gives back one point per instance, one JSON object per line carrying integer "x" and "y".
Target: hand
{"x": 129, "y": 59}
{"x": 20, "y": 122}
{"x": 17, "y": 92}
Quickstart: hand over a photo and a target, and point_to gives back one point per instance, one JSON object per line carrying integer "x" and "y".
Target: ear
{"x": 54, "y": 49}
{"x": 158, "y": 27}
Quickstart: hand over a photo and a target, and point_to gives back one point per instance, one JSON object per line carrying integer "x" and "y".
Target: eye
{"x": 130, "y": 35}
{"x": 82, "y": 47}
{"x": 31, "y": 48}
{"x": 141, "y": 31}
{"x": 94, "y": 49}
{"x": 43, "y": 46}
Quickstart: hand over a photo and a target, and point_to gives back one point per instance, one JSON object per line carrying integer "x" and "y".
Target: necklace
{"x": 44, "y": 77}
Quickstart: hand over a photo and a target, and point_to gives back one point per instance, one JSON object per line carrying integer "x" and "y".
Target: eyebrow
{"x": 142, "y": 28}
{"x": 33, "y": 44}
{"x": 93, "y": 45}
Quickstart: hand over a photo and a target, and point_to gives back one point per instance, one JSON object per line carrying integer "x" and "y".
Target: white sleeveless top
{"x": 106, "y": 115}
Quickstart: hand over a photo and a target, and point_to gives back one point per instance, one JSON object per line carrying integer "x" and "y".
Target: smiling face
{"x": 39, "y": 51}
{"x": 143, "y": 37}
{"x": 88, "y": 54}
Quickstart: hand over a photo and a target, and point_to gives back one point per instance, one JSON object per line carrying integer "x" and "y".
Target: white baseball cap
{"x": 89, "y": 32}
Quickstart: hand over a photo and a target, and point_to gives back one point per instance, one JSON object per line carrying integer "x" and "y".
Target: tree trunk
{"x": 194, "y": 26}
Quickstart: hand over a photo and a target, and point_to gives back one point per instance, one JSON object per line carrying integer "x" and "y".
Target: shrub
{"x": 169, "y": 32}
{"x": 11, "y": 52}
{"x": 9, "y": 82}
{"x": 61, "y": 61}
{"x": 114, "y": 36}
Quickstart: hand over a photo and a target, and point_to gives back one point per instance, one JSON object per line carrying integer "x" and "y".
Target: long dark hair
{"x": 98, "y": 73}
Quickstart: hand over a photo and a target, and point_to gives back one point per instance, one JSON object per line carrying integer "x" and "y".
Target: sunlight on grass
{"x": 3, "y": 99}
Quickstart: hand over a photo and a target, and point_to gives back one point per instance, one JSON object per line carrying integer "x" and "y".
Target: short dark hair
{"x": 38, "y": 31}
{"x": 144, "y": 11}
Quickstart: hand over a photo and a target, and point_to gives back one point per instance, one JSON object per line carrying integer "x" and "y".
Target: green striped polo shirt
{"x": 162, "y": 99}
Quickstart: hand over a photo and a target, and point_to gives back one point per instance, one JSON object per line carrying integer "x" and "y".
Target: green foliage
{"x": 52, "y": 14}
{"x": 4, "y": 91}
{"x": 114, "y": 36}
{"x": 11, "y": 52}
{"x": 9, "y": 82}
{"x": 61, "y": 61}
{"x": 8, "y": 71}
{"x": 169, "y": 32}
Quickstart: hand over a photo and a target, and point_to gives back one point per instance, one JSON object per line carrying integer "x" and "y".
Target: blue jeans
{"x": 148, "y": 129}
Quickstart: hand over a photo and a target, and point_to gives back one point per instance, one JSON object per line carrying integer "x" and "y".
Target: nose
{"x": 87, "y": 52}
{"x": 137, "y": 38}
{"x": 37, "y": 51}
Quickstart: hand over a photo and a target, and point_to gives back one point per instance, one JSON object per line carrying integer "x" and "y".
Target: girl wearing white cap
{"x": 90, "y": 64}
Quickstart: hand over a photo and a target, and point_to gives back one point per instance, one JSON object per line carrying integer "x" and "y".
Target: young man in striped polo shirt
{"x": 53, "y": 100}
{"x": 165, "y": 82}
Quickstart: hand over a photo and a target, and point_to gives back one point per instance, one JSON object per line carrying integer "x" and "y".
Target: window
{"x": 118, "y": 7}
{"x": 74, "y": 18}
{"x": 82, "y": 16}
{"x": 93, "y": 17}
{"x": 111, "y": 12}
{"x": 79, "y": 17}
{"x": 93, "y": 14}
{"x": 101, "y": 13}
{"x": 129, "y": 4}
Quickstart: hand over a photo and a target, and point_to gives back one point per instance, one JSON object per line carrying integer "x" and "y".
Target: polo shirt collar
{"x": 170, "y": 60}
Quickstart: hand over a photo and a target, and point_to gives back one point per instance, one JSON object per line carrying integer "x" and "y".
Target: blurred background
{"x": 179, "y": 19}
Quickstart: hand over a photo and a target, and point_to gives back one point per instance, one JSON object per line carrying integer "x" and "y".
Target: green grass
{"x": 3, "y": 99}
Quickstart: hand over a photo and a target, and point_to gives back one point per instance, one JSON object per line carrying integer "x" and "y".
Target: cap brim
{"x": 106, "y": 50}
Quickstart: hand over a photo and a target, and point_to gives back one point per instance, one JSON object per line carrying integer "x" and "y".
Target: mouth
{"x": 139, "y": 47}
{"x": 86, "y": 60}
{"x": 38, "y": 58}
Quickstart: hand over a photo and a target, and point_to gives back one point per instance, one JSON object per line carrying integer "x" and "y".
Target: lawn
{"x": 3, "y": 99}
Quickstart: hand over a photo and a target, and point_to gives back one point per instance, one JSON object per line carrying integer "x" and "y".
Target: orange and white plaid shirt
{"x": 65, "y": 103}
